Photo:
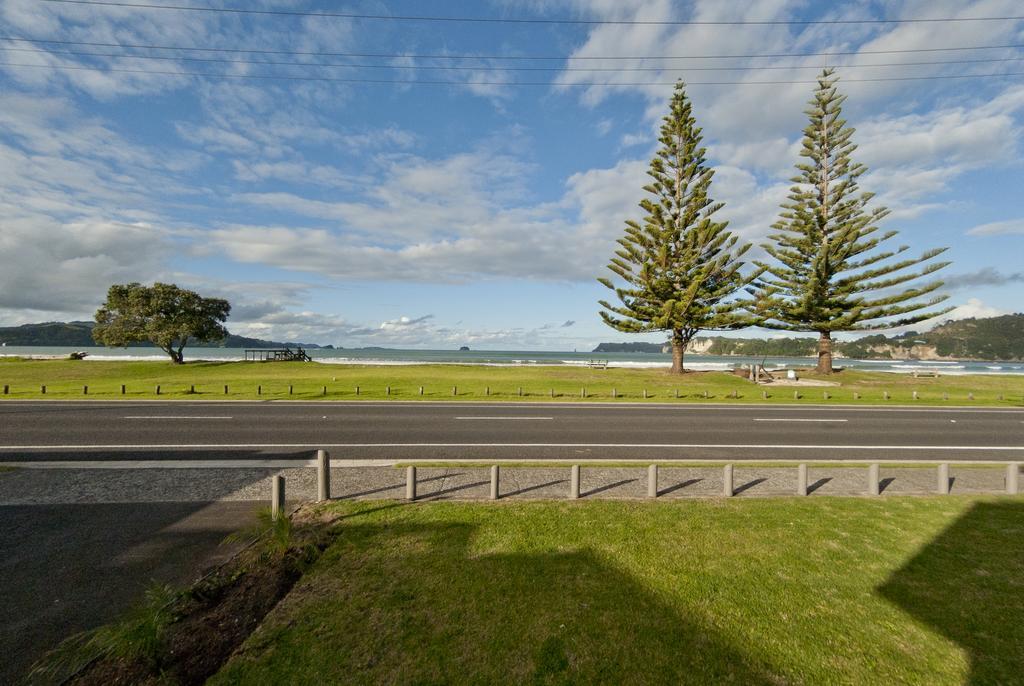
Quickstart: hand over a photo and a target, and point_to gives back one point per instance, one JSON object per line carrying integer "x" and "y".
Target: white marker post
{"x": 410, "y": 483}
{"x": 1012, "y": 474}
{"x": 574, "y": 482}
{"x": 801, "y": 480}
{"x": 495, "y": 482}
{"x": 652, "y": 481}
{"x": 943, "y": 479}
{"x": 727, "y": 489}
{"x": 873, "y": 479}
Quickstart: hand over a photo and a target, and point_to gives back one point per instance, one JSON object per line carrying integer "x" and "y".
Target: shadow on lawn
{"x": 966, "y": 584}
{"x": 411, "y": 603}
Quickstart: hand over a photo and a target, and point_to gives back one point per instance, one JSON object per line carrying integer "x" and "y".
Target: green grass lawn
{"x": 65, "y": 379}
{"x": 839, "y": 590}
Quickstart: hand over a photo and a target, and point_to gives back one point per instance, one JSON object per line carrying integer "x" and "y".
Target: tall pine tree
{"x": 829, "y": 272}
{"x": 680, "y": 267}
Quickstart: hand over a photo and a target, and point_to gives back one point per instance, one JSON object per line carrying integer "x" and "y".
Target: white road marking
{"x": 783, "y": 419}
{"x": 510, "y": 418}
{"x": 172, "y": 417}
{"x": 313, "y": 446}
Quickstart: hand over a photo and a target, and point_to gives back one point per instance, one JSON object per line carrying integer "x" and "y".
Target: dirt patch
{"x": 214, "y": 617}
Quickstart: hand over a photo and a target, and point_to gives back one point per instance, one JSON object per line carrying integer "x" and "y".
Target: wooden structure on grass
{"x": 276, "y": 355}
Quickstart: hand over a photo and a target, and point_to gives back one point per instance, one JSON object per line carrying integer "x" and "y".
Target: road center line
{"x": 780, "y": 419}
{"x": 511, "y": 418}
{"x": 172, "y": 417}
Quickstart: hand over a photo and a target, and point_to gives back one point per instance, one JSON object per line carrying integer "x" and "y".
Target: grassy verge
{"x": 66, "y": 379}
{"x": 915, "y": 590}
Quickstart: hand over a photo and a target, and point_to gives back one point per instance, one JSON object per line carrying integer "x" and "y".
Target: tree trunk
{"x": 825, "y": 353}
{"x": 678, "y": 349}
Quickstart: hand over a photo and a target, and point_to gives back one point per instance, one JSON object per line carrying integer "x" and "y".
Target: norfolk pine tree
{"x": 680, "y": 267}
{"x": 829, "y": 273}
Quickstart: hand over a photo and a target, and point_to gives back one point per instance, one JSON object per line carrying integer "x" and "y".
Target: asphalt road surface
{"x": 103, "y": 431}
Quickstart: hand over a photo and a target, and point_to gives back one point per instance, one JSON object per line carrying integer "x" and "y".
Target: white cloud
{"x": 973, "y": 308}
{"x": 1009, "y": 227}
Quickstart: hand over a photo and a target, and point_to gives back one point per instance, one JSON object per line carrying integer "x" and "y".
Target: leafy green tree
{"x": 679, "y": 265}
{"x": 163, "y": 314}
{"x": 828, "y": 271}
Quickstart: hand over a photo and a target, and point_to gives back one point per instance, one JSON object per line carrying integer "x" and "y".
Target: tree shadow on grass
{"x": 412, "y": 603}
{"x": 966, "y": 584}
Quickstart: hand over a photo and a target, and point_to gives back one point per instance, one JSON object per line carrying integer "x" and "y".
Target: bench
{"x": 926, "y": 375}
{"x": 598, "y": 364}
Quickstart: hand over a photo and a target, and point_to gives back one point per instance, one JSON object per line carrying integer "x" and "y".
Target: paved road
{"x": 91, "y": 430}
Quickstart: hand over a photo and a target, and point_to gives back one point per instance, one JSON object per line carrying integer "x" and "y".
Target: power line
{"x": 507, "y": 20}
{"x": 438, "y": 56}
{"x": 501, "y": 68}
{"x": 428, "y": 82}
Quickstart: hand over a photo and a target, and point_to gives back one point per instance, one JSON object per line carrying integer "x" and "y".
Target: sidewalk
{"x": 57, "y": 486}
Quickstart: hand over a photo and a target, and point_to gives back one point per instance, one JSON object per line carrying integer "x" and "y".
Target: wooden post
{"x": 225, "y": 389}
{"x": 387, "y": 390}
{"x": 652, "y": 481}
{"x": 122, "y": 389}
{"x": 552, "y": 393}
{"x": 421, "y": 390}
{"x": 970, "y": 396}
{"x": 7, "y": 389}
{"x": 801, "y": 480}
{"x": 410, "y": 483}
{"x": 574, "y": 482}
{"x": 873, "y": 479}
{"x": 826, "y": 395}
{"x": 727, "y": 489}
{"x": 357, "y": 390}
{"x": 323, "y": 476}
{"x": 259, "y": 390}
{"x": 796, "y": 395}
{"x": 677, "y": 394}
{"x": 520, "y": 391}
{"x": 42, "y": 389}
{"x": 85, "y": 390}
{"x": 158, "y": 389}
{"x": 705, "y": 394}
{"x": 192, "y": 389}
{"x": 291, "y": 389}
{"x": 914, "y": 395}
{"x": 487, "y": 390}
{"x": 856, "y": 395}
{"x": 495, "y": 485}
{"x": 323, "y": 391}
{"x": 583, "y": 392}
{"x": 614, "y": 394}
{"x": 645, "y": 394}
{"x": 455, "y": 390}
{"x": 764, "y": 395}
{"x": 944, "y": 479}
{"x": 885, "y": 395}
{"x": 276, "y": 496}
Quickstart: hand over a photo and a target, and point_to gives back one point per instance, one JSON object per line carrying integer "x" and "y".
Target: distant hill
{"x": 989, "y": 339}
{"x": 79, "y": 335}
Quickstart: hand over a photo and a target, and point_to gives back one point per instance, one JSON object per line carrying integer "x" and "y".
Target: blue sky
{"x": 474, "y": 211}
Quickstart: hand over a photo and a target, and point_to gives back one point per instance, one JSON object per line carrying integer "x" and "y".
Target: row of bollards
{"x": 323, "y": 481}
{"x": 584, "y": 393}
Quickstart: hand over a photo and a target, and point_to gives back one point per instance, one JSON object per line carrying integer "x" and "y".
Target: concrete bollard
{"x": 387, "y": 390}
{"x": 574, "y": 482}
{"x": 42, "y": 390}
{"x": 856, "y": 395}
{"x": 614, "y": 394}
{"x": 7, "y": 389}
{"x": 885, "y": 395}
{"x": 325, "y": 390}
{"x": 192, "y": 389}
{"x": 796, "y": 395}
{"x": 970, "y": 396}
{"x": 943, "y": 479}
{"x": 913, "y": 394}
{"x": 826, "y": 395}
{"x": 1012, "y": 478}
{"x": 421, "y": 390}
{"x": 123, "y": 390}
{"x": 158, "y": 389}
{"x": 455, "y": 390}
{"x": 276, "y": 496}
{"x": 225, "y": 389}
{"x": 652, "y": 481}
{"x": 487, "y": 390}
{"x": 323, "y": 476}
{"x": 764, "y": 395}
{"x": 552, "y": 393}
{"x": 705, "y": 395}
{"x": 410, "y": 483}
{"x": 583, "y": 392}
{"x": 85, "y": 390}
{"x": 291, "y": 389}
{"x": 735, "y": 394}
{"x": 645, "y": 393}
{"x": 873, "y": 479}
{"x": 727, "y": 489}
{"x": 677, "y": 394}
{"x": 801, "y": 480}
{"x": 945, "y": 396}
{"x": 495, "y": 482}
{"x": 520, "y": 391}
{"x": 259, "y": 390}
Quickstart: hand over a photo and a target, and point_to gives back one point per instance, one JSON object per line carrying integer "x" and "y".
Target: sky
{"x": 474, "y": 205}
